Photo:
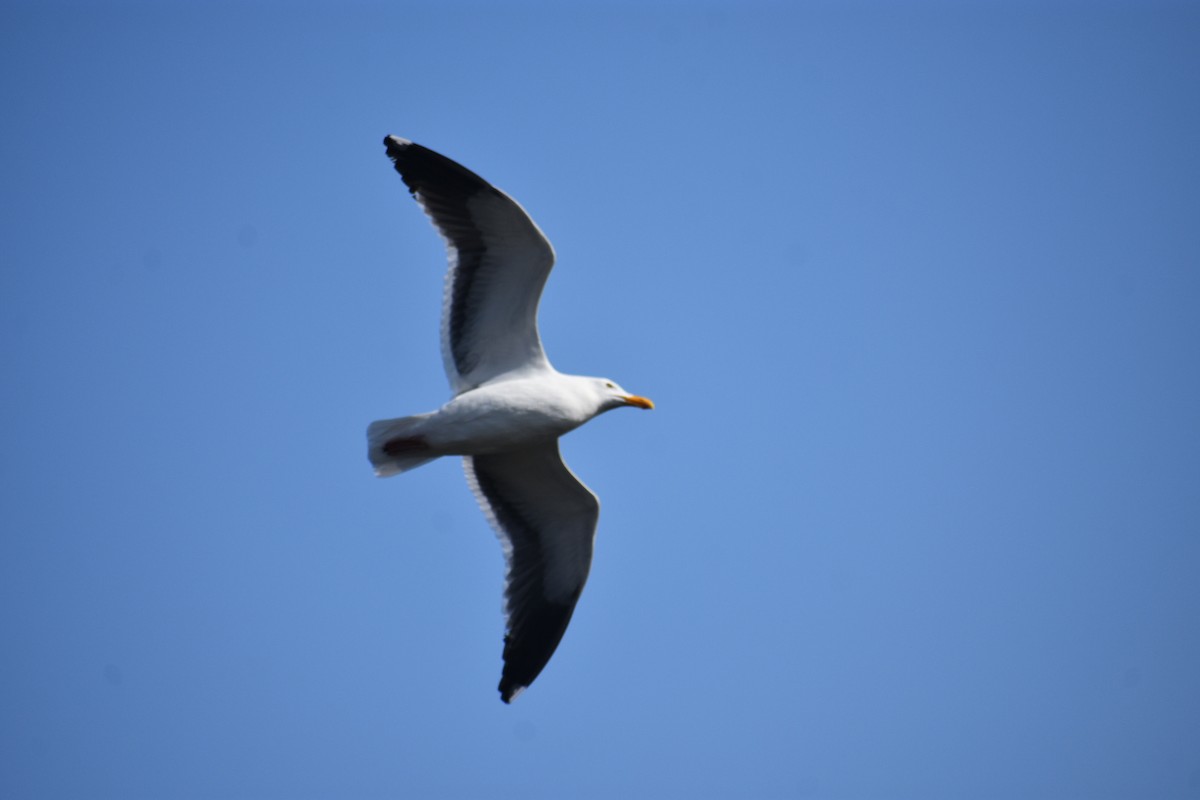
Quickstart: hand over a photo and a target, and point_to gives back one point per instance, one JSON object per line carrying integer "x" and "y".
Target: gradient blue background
{"x": 916, "y": 288}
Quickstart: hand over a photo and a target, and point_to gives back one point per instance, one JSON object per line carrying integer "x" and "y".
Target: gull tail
{"x": 396, "y": 445}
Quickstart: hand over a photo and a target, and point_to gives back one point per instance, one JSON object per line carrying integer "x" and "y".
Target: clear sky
{"x": 916, "y": 288}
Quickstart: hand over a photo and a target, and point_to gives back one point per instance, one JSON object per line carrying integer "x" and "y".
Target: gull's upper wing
{"x": 546, "y": 520}
{"x": 499, "y": 261}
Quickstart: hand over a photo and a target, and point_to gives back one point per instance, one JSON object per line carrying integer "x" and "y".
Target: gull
{"x": 509, "y": 405}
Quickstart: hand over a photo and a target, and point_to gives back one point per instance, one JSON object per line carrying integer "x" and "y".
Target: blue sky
{"x": 915, "y": 289}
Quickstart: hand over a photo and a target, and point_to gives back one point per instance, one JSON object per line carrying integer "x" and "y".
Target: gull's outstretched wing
{"x": 546, "y": 520}
{"x": 499, "y": 261}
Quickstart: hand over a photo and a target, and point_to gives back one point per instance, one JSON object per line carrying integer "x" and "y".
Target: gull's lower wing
{"x": 546, "y": 520}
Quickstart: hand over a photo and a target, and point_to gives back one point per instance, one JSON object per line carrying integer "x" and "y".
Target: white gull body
{"x": 509, "y": 408}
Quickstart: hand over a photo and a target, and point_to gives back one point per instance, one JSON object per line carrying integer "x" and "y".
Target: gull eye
{"x": 609, "y": 385}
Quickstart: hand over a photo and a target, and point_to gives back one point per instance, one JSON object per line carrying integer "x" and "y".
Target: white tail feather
{"x": 385, "y": 430}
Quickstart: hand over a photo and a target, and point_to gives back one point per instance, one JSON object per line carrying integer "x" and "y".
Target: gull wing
{"x": 499, "y": 262}
{"x": 546, "y": 521}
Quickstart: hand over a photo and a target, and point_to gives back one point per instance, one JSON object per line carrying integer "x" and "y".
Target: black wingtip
{"x": 528, "y": 648}
{"x": 422, "y": 169}
{"x": 396, "y": 143}
{"x": 510, "y": 691}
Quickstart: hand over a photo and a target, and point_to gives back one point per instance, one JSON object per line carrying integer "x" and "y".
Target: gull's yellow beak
{"x": 640, "y": 402}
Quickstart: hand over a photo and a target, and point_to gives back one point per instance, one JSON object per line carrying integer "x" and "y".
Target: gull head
{"x": 613, "y": 396}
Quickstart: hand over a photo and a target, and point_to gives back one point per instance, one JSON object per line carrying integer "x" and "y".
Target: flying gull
{"x": 509, "y": 406}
